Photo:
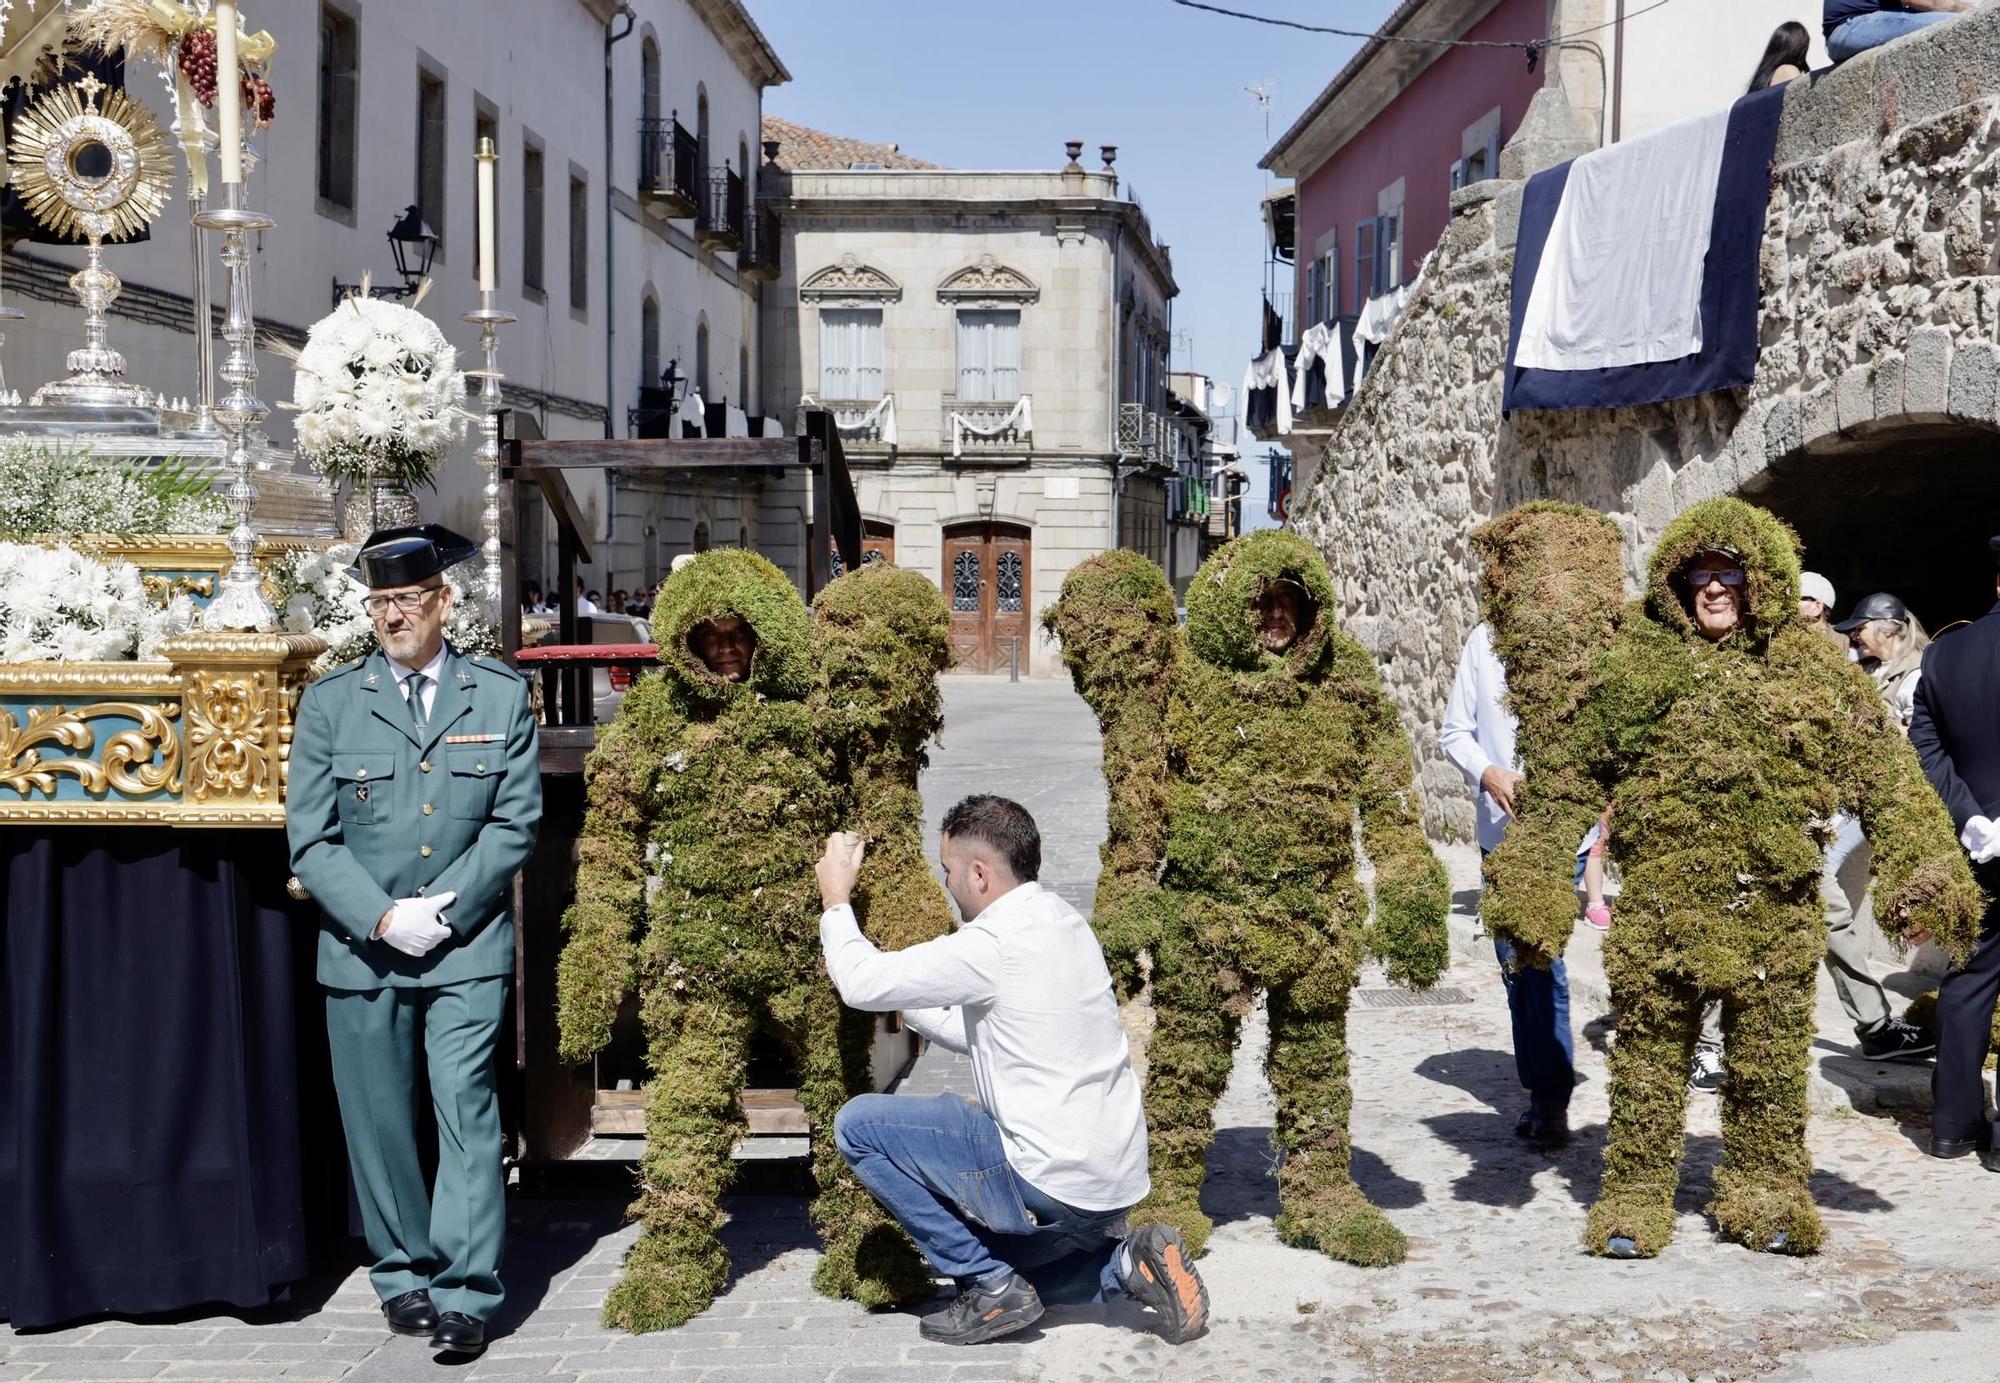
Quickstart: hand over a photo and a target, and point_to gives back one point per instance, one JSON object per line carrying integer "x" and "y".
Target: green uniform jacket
{"x": 376, "y": 813}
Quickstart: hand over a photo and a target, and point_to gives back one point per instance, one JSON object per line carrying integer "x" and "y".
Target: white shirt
{"x": 1478, "y": 728}
{"x": 1023, "y": 990}
{"x": 434, "y": 669}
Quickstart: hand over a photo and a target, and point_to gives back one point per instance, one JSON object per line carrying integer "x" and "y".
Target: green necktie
{"x": 416, "y": 683}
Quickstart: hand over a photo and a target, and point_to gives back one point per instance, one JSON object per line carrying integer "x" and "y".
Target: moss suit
{"x": 1724, "y": 761}
{"x": 1266, "y": 760}
{"x": 708, "y": 803}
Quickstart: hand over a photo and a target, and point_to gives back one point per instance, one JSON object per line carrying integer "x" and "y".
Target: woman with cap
{"x": 1891, "y": 643}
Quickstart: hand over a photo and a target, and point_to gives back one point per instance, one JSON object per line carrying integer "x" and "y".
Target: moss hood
{"x": 1767, "y": 548}
{"x": 729, "y": 581}
{"x": 1116, "y": 622}
{"x": 1222, "y": 626}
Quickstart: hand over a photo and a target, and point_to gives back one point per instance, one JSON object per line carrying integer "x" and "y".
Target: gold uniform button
{"x": 425, "y": 851}
{"x": 361, "y": 773}
{"x": 427, "y": 809}
{"x": 425, "y": 765}
{"x": 479, "y": 768}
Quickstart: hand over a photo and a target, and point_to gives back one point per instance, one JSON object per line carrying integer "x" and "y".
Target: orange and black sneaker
{"x": 981, "y": 1312}
{"x": 1163, "y": 1279}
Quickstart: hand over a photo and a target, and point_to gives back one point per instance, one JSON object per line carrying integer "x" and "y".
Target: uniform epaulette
{"x": 480, "y": 660}
{"x": 340, "y": 671}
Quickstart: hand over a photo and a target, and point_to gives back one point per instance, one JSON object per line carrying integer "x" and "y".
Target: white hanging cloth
{"x": 695, "y": 413}
{"x": 884, "y": 410}
{"x": 1267, "y": 371}
{"x": 1021, "y": 417}
{"x": 1321, "y": 342}
{"x": 1379, "y": 316}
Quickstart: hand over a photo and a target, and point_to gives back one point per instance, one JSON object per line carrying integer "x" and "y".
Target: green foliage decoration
{"x": 1724, "y": 761}
{"x": 708, "y": 804}
{"x": 1269, "y": 761}
{"x": 1119, "y": 635}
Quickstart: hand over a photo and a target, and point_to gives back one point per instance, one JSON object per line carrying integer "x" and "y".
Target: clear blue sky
{"x": 981, "y": 85}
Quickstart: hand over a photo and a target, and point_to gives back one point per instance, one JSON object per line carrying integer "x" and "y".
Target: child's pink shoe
{"x": 1598, "y": 915}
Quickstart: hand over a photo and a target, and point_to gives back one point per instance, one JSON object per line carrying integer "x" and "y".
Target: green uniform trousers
{"x": 449, "y": 1239}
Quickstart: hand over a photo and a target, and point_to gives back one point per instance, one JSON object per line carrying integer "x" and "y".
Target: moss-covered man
{"x": 1727, "y": 734}
{"x": 1277, "y": 731}
{"x": 709, "y": 795}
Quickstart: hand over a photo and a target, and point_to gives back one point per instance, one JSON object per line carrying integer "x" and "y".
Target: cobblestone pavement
{"x": 1496, "y": 1286}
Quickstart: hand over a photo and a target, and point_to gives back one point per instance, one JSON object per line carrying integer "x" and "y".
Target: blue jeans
{"x": 1866, "y": 31}
{"x": 938, "y": 1166}
{"x": 1538, "y": 1004}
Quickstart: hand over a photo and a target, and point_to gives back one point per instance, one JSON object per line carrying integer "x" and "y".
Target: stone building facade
{"x": 1869, "y": 426}
{"x": 995, "y": 346}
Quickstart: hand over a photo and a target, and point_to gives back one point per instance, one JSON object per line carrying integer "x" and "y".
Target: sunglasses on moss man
{"x": 1701, "y": 576}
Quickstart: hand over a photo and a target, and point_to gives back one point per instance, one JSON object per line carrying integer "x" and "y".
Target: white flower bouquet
{"x": 57, "y": 605}
{"x": 378, "y": 392}
{"x": 317, "y": 596}
{"x": 46, "y": 489}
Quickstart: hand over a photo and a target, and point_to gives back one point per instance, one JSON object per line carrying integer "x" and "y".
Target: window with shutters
{"x": 989, "y": 356}
{"x": 339, "y": 75}
{"x": 850, "y": 353}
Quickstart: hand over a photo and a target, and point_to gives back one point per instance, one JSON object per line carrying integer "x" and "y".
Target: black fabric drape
{"x": 164, "y": 1102}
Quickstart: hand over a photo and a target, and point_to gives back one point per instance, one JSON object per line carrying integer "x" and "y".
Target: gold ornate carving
{"x": 166, "y": 588}
{"x": 849, "y": 282}
{"x": 227, "y": 742}
{"x": 127, "y": 764}
{"x": 46, "y": 153}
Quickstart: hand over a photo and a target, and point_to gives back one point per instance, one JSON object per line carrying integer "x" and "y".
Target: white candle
{"x": 228, "y": 91}
{"x": 488, "y": 270}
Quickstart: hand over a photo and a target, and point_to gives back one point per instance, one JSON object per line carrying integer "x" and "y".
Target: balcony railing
{"x": 1148, "y": 438}
{"x": 988, "y": 429}
{"x": 720, "y": 225}
{"x": 865, "y": 425}
{"x": 759, "y": 256}
{"x": 669, "y": 171}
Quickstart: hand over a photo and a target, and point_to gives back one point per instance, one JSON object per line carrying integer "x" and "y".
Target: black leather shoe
{"x": 458, "y": 1333}
{"x": 1956, "y": 1147}
{"x": 1989, "y": 1158}
{"x": 411, "y": 1313}
{"x": 1543, "y": 1130}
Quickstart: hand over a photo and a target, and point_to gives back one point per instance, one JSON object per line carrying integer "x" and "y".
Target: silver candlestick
{"x": 204, "y": 325}
{"x": 489, "y": 319}
{"x": 239, "y": 603}
{"x": 8, "y": 398}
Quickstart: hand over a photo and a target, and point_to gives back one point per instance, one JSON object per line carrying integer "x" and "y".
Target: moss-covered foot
{"x": 1184, "y": 1215}
{"x": 660, "y": 1291}
{"x": 1343, "y": 1226}
{"x": 1767, "y": 1216}
{"x": 878, "y": 1268}
{"x": 1629, "y": 1226}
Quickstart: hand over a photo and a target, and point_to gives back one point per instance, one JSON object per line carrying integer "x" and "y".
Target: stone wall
{"x": 1880, "y": 311}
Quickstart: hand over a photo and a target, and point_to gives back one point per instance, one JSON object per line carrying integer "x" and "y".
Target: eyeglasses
{"x": 409, "y": 602}
{"x": 1699, "y": 577}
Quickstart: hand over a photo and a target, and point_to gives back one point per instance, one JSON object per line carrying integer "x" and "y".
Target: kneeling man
{"x": 1022, "y": 1197}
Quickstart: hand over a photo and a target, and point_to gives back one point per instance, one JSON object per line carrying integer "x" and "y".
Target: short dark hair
{"x": 1002, "y": 825}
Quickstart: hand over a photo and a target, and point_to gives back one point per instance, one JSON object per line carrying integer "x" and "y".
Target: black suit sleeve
{"x": 1927, "y": 736}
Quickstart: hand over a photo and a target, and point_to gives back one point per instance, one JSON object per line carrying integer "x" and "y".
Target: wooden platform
{"x": 768, "y": 1112}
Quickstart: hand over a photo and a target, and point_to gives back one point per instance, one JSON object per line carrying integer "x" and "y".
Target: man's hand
{"x": 1501, "y": 784}
{"x": 839, "y": 867}
{"x": 412, "y": 926}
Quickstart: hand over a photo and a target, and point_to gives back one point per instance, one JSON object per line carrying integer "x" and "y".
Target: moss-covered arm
{"x": 1923, "y": 883}
{"x": 1412, "y": 892}
{"x": 596, "y": 969}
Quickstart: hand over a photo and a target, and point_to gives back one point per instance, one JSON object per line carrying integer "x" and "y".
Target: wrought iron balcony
{"x": 759, "y": 256}
{"x": 1146, "y": 438}
{"x": 988, "y": 429}
{"x": 669, "y": 168}
{"x": 720, "y": 225}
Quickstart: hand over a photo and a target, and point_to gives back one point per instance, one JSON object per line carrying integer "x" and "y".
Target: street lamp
{"x": 414, "y": 245}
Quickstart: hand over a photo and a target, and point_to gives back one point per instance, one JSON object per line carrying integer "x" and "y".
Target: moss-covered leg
{"x": 867, "y": 1257}
{"x": 1194, "y": 1040}
{"x": 1763, "y": 1196}
{"x": 697, "y": 1049}
{"x": 1319, "y": 1204}
{"x": 1658, "y": 1018}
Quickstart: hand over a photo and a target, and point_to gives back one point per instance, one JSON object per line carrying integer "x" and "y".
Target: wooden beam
{"x": 660, "y": 453}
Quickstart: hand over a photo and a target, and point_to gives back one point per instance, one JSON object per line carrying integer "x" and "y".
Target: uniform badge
{"x": 464, "y": 676}
{"x": 361, "y": 792}
{"x": 374, "y": 679}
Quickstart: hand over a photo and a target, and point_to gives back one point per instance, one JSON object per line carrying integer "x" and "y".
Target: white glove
{"x": 414, "y": 928}
{"x": 1981, "y": 839}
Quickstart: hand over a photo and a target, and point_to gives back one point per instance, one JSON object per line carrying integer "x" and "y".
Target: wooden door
{"x": 986, "y": 575}
{"x": 878, "y": 542}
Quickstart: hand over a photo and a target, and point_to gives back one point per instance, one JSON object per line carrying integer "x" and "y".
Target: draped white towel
{"x": 1321, "y": 342}
{"x": 694, "y": 411}
{"x": 1267, "y": 371}
{"x": 884, "y": 409}
{"x": 1619, "y": 280}
{"x": 1020, "y": 417}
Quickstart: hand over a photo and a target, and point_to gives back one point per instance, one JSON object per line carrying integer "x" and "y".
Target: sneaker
{"x": 1706, "y": 1077}
{"x": 981, "y": 1312}
{"x": 1156, "y": 1271}
{"x": 1896, "y": 1040}
{"x": 1598, "y": 915}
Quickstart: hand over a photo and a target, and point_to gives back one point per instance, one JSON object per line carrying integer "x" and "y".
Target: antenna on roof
{"x": 1261, "y": 93}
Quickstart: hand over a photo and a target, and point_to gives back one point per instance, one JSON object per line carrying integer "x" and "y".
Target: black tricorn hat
{"x": 405, "y": 556}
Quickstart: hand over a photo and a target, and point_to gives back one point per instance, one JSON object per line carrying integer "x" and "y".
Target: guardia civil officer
{"x": 414, "y": 795}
